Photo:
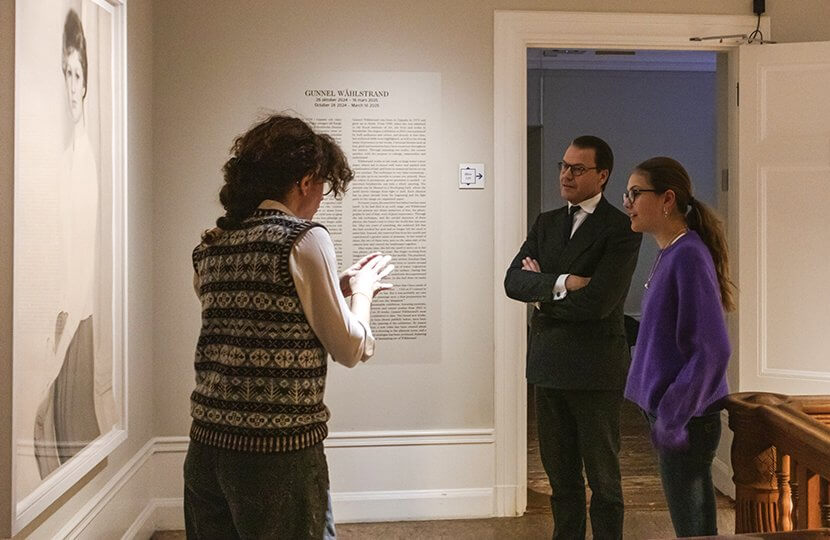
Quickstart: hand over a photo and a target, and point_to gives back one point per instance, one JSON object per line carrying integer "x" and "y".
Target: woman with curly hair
{"x": 273, "y": 308}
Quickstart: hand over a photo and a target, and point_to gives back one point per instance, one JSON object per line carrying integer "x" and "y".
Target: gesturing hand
{"x": 367, "y": 279}
{"x": 531, "y": 265}
{"x": 348, "y": 273}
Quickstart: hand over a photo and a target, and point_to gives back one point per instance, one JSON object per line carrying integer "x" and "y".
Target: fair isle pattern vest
{"x": 260, "y": 370}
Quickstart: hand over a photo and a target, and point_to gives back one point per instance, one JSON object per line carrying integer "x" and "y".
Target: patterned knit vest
{"x": 260, "y": 369}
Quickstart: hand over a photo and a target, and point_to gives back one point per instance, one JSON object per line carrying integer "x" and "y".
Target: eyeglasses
{"x": 576, "y": 170}
{"x": 629, "y": 196}
{"x": 328, "y": 186}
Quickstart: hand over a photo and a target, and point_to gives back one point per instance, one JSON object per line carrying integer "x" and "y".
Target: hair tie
{"x": 691, "y": 205}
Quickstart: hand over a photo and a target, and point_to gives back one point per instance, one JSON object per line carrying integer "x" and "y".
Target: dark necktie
{"x": 569, "y": 223}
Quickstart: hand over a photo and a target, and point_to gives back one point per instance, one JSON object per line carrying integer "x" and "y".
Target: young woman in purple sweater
{"x": 678, "y": 374}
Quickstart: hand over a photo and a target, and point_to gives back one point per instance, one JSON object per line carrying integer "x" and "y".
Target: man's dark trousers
{"x": 573, "y": 426}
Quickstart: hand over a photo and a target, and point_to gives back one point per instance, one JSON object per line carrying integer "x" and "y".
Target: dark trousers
{"x": 579, "y": 427}
{"x": 230, "y": 494}
{"x": 687, "y": 478}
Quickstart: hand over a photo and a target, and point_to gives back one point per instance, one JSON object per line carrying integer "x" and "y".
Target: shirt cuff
{"x": 559, "y": 290}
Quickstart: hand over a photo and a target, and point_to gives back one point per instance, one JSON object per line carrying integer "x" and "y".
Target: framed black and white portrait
{"x": 69, "y": 297}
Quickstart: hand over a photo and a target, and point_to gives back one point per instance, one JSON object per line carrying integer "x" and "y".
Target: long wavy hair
{"x": 270, "y": 158}
{"x": 665, "y": 174}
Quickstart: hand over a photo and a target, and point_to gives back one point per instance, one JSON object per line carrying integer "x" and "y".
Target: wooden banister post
{"x": 785, "y": 502}
{"x": 796, "y": 491}
{"x": 754, "y": 464}
{"x": 809, "y": 512}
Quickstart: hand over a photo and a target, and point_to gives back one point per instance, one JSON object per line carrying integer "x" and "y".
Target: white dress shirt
{"x": 586, "y": 207}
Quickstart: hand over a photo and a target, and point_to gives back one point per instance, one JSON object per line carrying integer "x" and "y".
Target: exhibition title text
{"x": 347, "y": 93}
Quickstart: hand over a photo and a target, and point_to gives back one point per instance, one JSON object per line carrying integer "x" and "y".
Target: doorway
{"x": 644, "y": 103}
{"x": 515, "y": 32}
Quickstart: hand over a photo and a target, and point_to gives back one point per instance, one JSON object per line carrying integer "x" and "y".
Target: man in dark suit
{"x": 576, "y": 266}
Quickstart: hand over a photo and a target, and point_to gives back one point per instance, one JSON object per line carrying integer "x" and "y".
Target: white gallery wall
{"x": 404, "y": 433}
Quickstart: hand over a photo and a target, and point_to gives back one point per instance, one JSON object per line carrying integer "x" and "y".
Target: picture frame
{"x": 68, "y": 367}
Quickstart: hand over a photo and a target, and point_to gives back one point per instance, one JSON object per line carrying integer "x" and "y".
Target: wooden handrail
{"x": 781, "y": 461}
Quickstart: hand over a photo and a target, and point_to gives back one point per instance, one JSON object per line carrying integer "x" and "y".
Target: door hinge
{"x": 724, "y": 180}
{"x": 737, "y": 94}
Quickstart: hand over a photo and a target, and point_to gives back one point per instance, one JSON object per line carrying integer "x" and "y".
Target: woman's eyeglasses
{"x": 630, "y": 195}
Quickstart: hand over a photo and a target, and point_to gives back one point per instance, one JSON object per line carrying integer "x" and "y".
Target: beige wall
{"x": 208, "y": 53}
{"x": 799, "y": 20}
{"x": 139, "y": 252}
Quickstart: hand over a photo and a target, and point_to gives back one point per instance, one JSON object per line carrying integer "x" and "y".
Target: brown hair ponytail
{"x": 706, "y": 224}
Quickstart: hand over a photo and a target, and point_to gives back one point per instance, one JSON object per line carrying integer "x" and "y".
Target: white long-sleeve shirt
{"x": 313, "y": 266}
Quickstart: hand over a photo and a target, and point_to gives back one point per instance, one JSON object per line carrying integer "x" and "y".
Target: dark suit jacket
{"x": 578, "y": 342}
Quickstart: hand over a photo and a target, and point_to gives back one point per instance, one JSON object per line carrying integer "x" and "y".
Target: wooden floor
{"x": 646, "y": 515}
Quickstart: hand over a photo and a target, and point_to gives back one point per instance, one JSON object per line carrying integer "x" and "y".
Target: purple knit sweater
{"x": 679, "y": 366}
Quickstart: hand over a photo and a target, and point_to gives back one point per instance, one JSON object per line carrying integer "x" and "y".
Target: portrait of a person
{"x": 66, "y": 420}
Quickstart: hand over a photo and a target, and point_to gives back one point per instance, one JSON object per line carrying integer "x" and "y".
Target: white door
{"x": 783, "y": 218}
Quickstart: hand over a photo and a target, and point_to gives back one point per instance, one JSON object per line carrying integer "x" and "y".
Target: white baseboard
{"x": 508, "y": 499}
{"x": 159, "y": 515}
{"x": 414, "y": 505}
{"x": 144, "y": 524}
{"x": 446, "y": 474}
{"x": 168, "y": 514}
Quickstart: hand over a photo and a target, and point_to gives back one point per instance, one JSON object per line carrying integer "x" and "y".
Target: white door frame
{"x": 514, "y": 32}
